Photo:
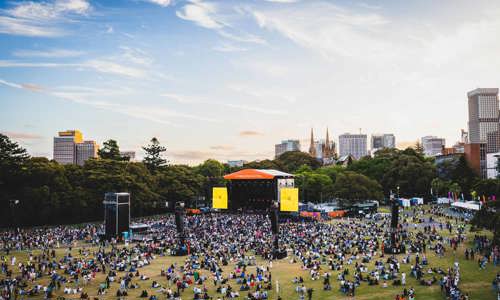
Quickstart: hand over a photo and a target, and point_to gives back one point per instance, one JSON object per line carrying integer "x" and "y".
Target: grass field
{"x": 474, "y": 281}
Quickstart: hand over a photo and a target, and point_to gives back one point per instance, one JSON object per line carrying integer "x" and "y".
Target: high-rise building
{"x": 433, "y": 145}
{"x": 492, "y": 160}
{"x": 353, "y": 144}
{"x": 484, "y": 118}
{"x": 65, "y": 146}
{"x": 86, "y": 150}
{"x": 475, "y": 154}
{"x": 286, "y": 146}
{"x": 380, "y": 141}
{"x": 129, "y": 154}
{"x": 69, "y": 148}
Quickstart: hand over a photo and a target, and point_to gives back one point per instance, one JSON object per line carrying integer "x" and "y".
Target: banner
{"x": 219, "y": 197}
{"x": 289, "y": 199}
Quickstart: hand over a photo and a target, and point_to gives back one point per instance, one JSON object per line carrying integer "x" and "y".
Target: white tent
{"x": 443, "y": 200}
{"x": 471, "y": 205}
{"x": 404, "y": 202}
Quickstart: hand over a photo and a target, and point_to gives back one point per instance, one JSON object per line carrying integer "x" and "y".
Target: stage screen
{"x": 252, "y": 195}
{"x": 219, "y": 197}
{"x": 289, "y": 199}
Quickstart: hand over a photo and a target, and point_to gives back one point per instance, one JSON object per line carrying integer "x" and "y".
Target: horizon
{"x": 230, "y": 79}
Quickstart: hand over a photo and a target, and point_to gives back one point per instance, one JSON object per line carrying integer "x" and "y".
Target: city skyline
{"x": 230, "y": 79}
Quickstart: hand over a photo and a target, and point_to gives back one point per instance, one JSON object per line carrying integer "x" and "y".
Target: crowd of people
{"x": 230, "y": 256}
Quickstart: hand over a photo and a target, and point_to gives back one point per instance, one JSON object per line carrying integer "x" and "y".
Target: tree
{"x": 440, "y": 187}
{"x": 455, "y": 189}
{"x": 412, "y": 173}
{"x": 331, "y": 171}
{"x": 353, "y": 187}
{"x": 419, "y": 148}
{"x": 264, "y": 164}
{"x": 11, "y": 154}
{"x": 110, "y": 150}
{"x": 457, "y": 170}
{"x": 292, "y": 160}
{"x": 13, "y": 160}
{"x": 153, "y": 158}
{"x": 314, "y": 187}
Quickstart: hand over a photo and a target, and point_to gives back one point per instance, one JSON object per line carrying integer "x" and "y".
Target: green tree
{"x": 13, "y": 159}
{"x": 153, "y": 158}
{"x": 314, "y": 187}
{"x": 354, "y": 187}
{"x": 412, "y": 173}
{"x": 110, "y": 150}
{"x": 264, "y": 164}
{"x": 455, "y": 189}
{"x": 440, "y": 187}
{"x": 290, "y": 161}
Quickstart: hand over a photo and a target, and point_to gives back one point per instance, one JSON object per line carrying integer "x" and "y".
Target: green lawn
{"x": 474, "y": 281}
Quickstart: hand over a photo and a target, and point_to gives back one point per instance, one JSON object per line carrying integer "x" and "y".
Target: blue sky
{"x": 229, "y": 79}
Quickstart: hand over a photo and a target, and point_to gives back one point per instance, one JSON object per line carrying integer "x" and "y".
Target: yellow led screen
{"x": 219, "y": 197}
{"x": 289, "y": 199}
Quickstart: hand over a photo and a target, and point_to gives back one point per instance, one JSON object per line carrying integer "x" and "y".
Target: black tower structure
{"x": 394, "y": 246}
{"x": 179, "y": 224}
{"x": 116, "y": 214}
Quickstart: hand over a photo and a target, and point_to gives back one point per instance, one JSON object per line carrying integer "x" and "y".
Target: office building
{"x": 433, "y": 145}
{"x": 86, "y": 150}
{"x": 475, "y": 154}
{"x": 286, "y": 146}
{"x": 492, "y": 165}
{"x": 380, "y": 141}
{"x": 353, "y": 144}
{"x": 484, "y": 118}
{"x": 69, "y": 148}
{"x": 129, "y": 154}
{"x": 65, "y": 146}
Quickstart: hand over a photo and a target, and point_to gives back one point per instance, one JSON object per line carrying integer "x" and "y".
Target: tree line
{"x": 38, "y": 191}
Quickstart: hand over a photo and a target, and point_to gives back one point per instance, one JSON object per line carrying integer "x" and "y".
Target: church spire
{"x": 312, "y": 148}
{"x": 327, "y": 153}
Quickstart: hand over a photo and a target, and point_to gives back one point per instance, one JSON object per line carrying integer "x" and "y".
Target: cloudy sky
{"x": 229, "y": 79}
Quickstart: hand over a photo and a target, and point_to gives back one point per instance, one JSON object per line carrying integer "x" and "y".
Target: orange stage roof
{"x": 250, "y": 174}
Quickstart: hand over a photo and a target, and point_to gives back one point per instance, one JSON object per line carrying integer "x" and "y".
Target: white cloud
{"x": 282, "y": 1}
{"x": 110, "y": 29}
{"x": 42, "y": 11}
{"x": 202, "y": 100}
{"x": 330, "y": 30}
{"x": 105, "y": 66}
{"x": 41, "y": 18}
{"x": 93, "y": 96}
{"x": 14, "y": 26}
{"x": 225, "y": 47}
{"x": 207, "y": 15}
{"x": 202, "y": 13}
{"x": 50, "y": 53}
{"x": 99, "y": 65}
{"x": 10, "y": 84}
{"x": 163, "y": 3}
{"x": 242, "y": 37}
{"x": 136, "y": 56}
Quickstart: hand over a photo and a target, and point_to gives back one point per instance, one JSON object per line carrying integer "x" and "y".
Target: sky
{"x": 229, "y": 79}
